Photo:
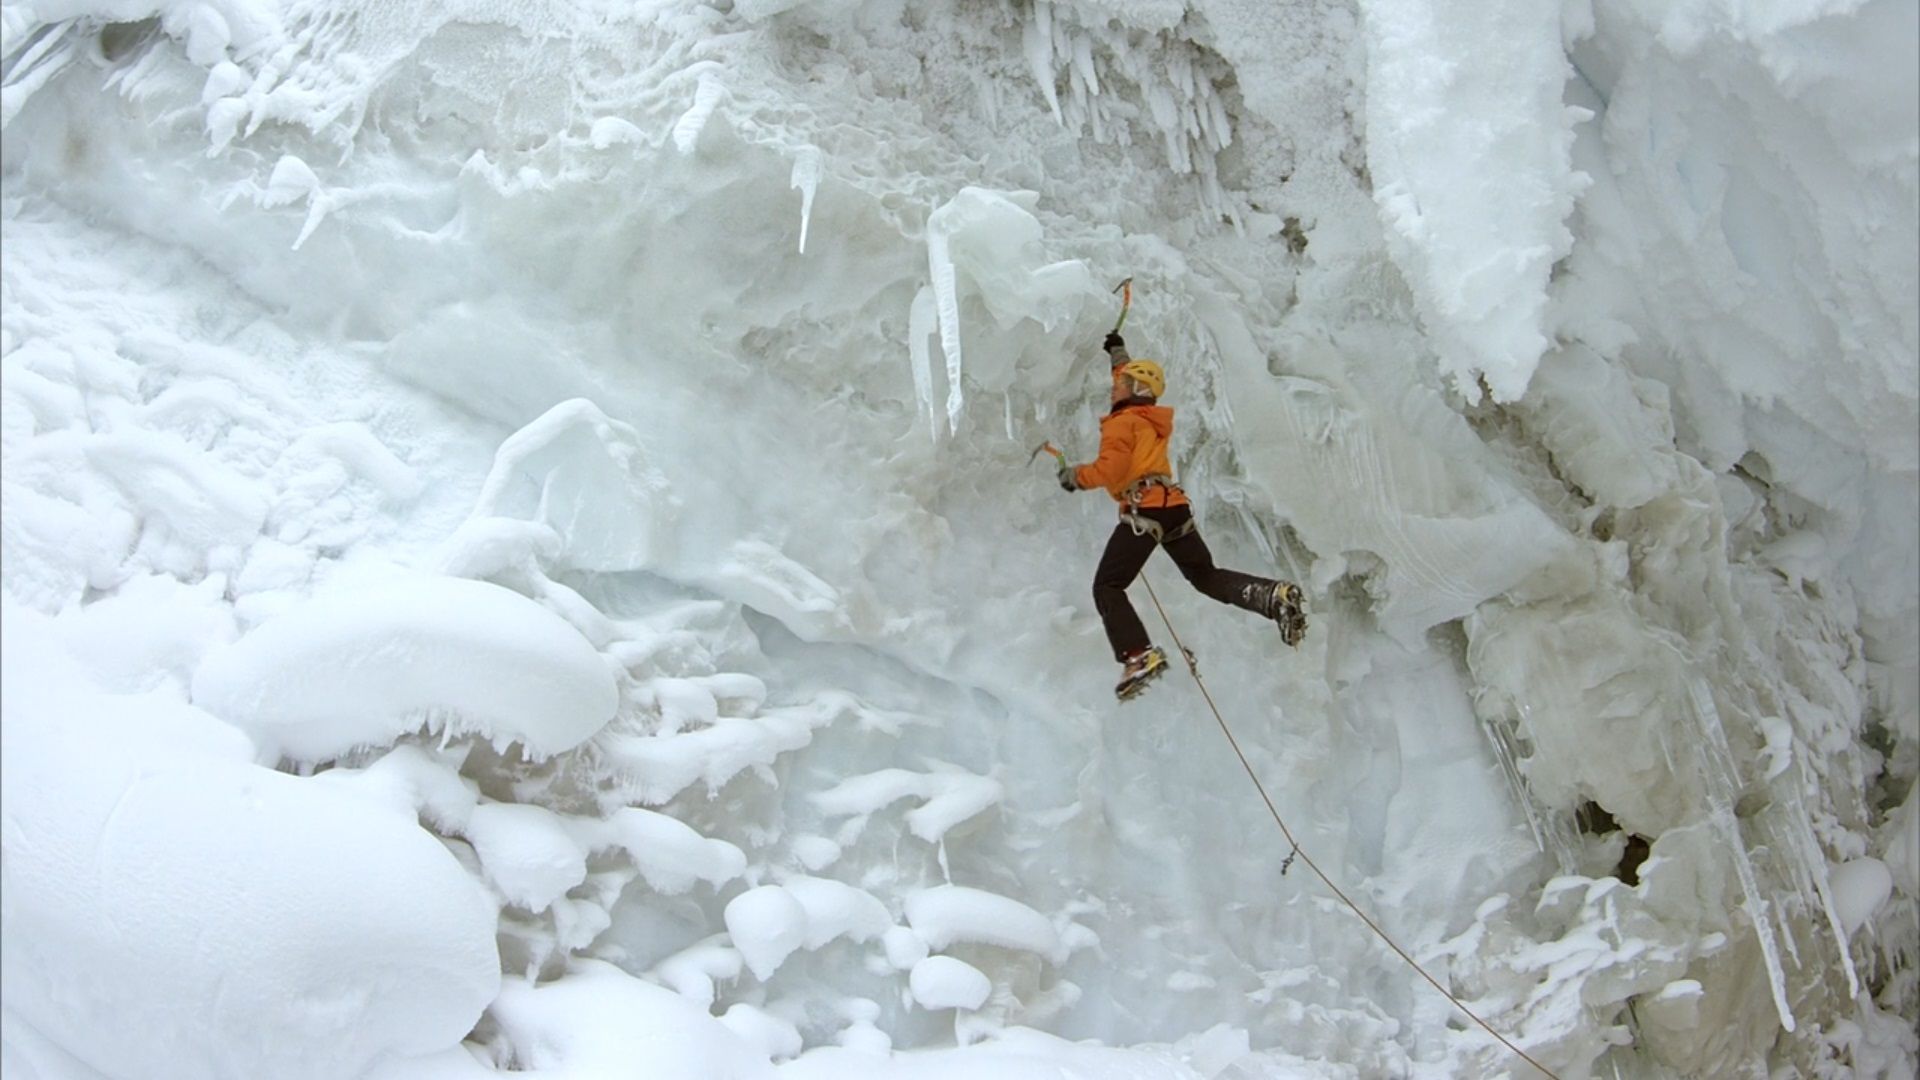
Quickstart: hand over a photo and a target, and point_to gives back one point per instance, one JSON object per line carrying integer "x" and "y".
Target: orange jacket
{"x": 1133, "y": 444}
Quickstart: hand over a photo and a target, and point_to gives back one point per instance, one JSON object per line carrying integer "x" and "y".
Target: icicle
{"x": 1077, "y": 107}
{"x": 920, "y": 326}
{"x": 1232, "y": 212}
{"x": 1037, "y": 38}
{"x": 1222, "y": 126}
{"x": 1721, "y": 782}
{"x": 44, "y": 59}
{"x": 989, "y": 93}
{"x": 1181, "y": 72}
{"x": 44, "y": 45}
{"x": 1007, "y": 399}
{"x": 806, "y": 177}
{"x": 1813, "y": 867}
{"x": 1083, "y": 64}
{"x": 1166, "y": 116}
{"x": 318, "y": 208}
{"x": 1549, "y": 833}
{"x": 1203, "y": 116}
{"x": 947, "y": 295}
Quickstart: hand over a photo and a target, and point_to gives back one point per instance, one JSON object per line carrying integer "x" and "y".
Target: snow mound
{"x": 774, "y": 1036}
{"x": 527, "y": 853}
{"x": 671, "y": 856}
{"x": 767, "y": 924}
{"x": 693, "y": 971}
{"x": 1013, "y": 1054}
{"x": 835, "y": 910}
{"x": 947, "y": 914}
{"x": 599, "y": 1021}
{"x": 662, "y": 766}
{"x": 1860, "y": 887}
{"x": 952, "y": 795}
{"x": 359, "y": 668}
{"x": 770, "y": 922}
{"x": 153, "y": 875}
{"x": 941, "y": 982}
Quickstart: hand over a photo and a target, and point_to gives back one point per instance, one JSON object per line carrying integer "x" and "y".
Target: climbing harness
{"x": 1194, "y": 669}
{"x": 1138, "y": 489}
{"x": 1146, "y": 526}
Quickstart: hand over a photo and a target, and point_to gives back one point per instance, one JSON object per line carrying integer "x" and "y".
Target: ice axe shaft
{"x": 1125, "y": 289}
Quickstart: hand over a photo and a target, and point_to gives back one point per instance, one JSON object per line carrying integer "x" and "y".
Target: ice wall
{"x": 1468, "y": 145}
{"x": 502, "y": 416}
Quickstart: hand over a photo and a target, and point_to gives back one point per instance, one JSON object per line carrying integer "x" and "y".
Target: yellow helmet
{"x": 1146, "y": 373}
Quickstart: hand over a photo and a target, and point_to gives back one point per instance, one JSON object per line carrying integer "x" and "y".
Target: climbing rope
{"x": 1193, "y": 668}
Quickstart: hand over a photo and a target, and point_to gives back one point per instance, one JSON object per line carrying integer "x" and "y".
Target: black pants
{"x": 1127, "y": 552}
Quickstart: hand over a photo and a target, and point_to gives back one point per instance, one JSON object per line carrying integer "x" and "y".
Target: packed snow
{"x": 941, "y": 982}
{"x": 947, "y": 914}
{"x": 169, "y": 902}
{"x": 360, "y": 666}
{"x": 488, "y": 590}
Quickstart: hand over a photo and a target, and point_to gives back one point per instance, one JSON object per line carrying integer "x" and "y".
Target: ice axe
{"x": 1125, "y": 289}
{"x": 1066, "y": 480}
{"x": 1049, "y": 448}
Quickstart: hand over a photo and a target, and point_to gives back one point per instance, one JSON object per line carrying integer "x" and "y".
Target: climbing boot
{"x": 1285, "y": 604}
{"x": 1142, "y": 668}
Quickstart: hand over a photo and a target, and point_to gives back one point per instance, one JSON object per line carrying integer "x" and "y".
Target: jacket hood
{"x": 1160, "y": 417}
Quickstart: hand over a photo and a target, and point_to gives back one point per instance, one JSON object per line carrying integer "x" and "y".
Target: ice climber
{"x": 1133, "y": 468}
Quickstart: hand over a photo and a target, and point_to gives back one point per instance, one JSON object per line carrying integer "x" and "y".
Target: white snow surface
{"x": 951, "y": 796}
{"x": 948, "y": 914}
{"x": 941, "y": 982}
{"x": 162, "y": 888}
{"x": 489, "y": 591}
{"x": 769, "y": 922}
{"x": 360, "y": 667}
